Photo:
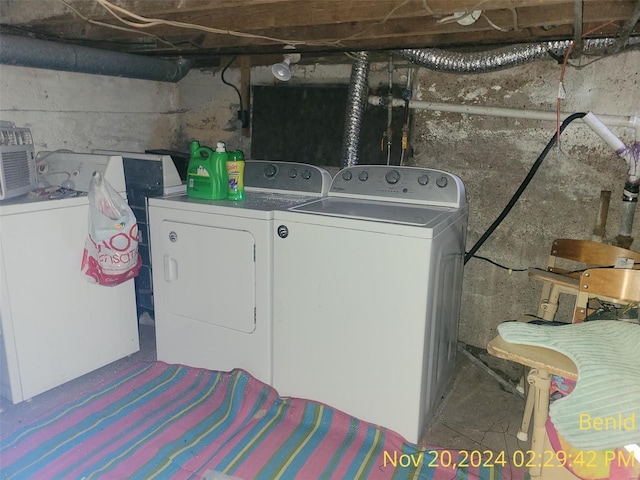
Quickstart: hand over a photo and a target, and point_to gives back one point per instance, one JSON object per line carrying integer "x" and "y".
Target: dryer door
{"x": 209, "y": 274}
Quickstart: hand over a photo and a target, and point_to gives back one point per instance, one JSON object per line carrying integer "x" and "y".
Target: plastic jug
{"x": 207, "y": 172}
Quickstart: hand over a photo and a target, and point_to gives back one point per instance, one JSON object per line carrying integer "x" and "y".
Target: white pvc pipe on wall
{"x": 629, "y": 121}
{"x": 603, "y": 132}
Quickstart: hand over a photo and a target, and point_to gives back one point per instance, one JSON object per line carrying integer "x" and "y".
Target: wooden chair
{"x": 614, "y": 285}
{"x": 567, "y": 260}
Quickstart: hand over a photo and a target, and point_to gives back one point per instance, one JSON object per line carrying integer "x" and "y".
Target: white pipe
{"x": 604, "y": 133}
{"x": 630, "y": 121}
{"x": 614, "y": 142}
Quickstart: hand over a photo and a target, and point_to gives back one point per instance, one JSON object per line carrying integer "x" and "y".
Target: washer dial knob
{"x": 348, "y": 175}
{"x": 306, "y": 174}
{"x": 293, "y": 173}
{"x": 363, "y": 176}
{"x": 270, "y": 170}
{"x": 442, "y": 182}
{"x": 423, "y": 179}
{"x": 392, "y": 177}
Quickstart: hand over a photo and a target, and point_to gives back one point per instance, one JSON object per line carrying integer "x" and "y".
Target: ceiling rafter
{"x": 314, "y": 25}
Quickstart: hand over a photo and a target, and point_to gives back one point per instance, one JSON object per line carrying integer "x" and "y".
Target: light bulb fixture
{"x": 282, "y": 70}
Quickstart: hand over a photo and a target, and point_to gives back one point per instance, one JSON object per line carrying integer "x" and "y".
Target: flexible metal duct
{"x": 30, "y": 52}
{"x": 356, "y": 103}
{"x": 492, "y": 60}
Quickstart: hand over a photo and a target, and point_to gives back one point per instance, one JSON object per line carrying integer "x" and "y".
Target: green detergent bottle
{"x": 207, "y": 175}
{"x": 235, "y": 169}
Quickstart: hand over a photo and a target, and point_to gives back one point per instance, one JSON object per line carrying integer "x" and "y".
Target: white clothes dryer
{"x": 212, "y": 269}
{"x": 367, "y": 287}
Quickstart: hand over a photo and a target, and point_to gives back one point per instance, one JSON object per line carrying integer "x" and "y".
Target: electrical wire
{"x": 499, "y": 265}
{"x": 626, "y": 30}
{"x": 534, "y": 168}
{"x": 243, "y": 115}
{"x": 145, "y": 22}
{"x": 493, "y": 25}
{"x": 115, "y": 27}
{"x": 231, "y": 84}
{"x": 561, "y": 90}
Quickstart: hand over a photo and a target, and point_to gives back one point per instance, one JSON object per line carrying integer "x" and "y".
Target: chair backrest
{"x": 585, "y": 253}
{"x": 615, "y": 285}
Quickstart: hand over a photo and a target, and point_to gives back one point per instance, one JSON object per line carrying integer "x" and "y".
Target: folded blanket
{"x": 603, "y": 411}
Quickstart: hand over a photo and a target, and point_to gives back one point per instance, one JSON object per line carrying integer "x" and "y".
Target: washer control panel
{"x": 260, "y": 175}
{"x": 74, "y": 170}
{"x": 411, "y": 184}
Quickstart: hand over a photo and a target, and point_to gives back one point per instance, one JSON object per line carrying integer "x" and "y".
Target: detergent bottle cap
{"x": 220, "y": 147}
{"x": 236, "y": 155}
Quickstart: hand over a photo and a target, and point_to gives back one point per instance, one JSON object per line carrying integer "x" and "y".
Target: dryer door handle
{"x": 170, "y": 268}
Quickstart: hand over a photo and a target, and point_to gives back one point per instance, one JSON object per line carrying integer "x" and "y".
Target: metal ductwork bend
{"x": 356, "y": 103}
{"x": 497, "y": 59}
{"x": 30, "y": 52}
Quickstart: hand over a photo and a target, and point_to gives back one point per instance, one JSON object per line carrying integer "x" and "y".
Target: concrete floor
{"x": 13, "y": 416}
{"x": 477, "y": 415}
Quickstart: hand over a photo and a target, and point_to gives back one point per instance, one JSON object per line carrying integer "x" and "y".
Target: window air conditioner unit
{"x": 17, "y": 161}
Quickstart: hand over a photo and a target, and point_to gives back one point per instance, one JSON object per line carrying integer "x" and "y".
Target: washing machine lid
{"x": 379, "y": 211}
{"x": 34, "y": 202}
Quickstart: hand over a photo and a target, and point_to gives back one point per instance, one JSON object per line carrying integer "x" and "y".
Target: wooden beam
{"x": 394, "y": 30}
{"x": 328, "y": 25}
{"x": 239, "y": 14}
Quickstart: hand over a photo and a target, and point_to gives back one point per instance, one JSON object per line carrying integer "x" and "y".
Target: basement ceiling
{"x": 206, "y": 29}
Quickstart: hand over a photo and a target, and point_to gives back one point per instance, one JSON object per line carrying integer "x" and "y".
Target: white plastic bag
{"x": 111, "y": 249}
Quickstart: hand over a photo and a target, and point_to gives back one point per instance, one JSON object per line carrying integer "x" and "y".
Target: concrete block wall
{"x": 493, "y": 156}
{"x": 80, "y": 112}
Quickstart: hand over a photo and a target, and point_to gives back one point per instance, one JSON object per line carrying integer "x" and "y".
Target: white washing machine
{"x": 212, "y": 269}
{"x": 367, "y": 287}
{"x": 55, "y": 325}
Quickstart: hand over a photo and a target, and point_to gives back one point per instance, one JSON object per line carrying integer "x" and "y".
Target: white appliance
{"x": 169, "y": 181}
{"x": 212, "y": 269}
{"x": 367, "y": 287}
{"x": 55, "y": 325}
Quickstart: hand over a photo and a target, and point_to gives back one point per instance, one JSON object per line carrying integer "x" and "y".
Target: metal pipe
{"x": 629, "y": 204}
{"x": 30, "y": 52}
{"x": 629, "y": 121}
{"x": 578, "y": 42}
{"x": 600, "y": 228}
{"x": 389, "y": 133}
{"x": 406, "y": 96}
{"x": 356, "y": 103}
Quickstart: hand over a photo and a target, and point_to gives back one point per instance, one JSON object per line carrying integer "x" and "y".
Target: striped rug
{"x": 169, "y": 421}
